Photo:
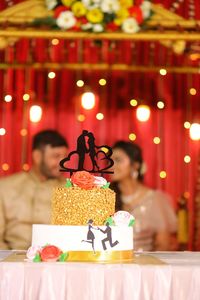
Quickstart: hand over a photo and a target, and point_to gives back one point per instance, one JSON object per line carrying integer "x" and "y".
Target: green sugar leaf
{"x": 68, "y": 183}
{"x": 106, "y": 185}
{"x": 110, "y": 221}
{"x": 37, "y": 258}
{"x": 132, "y": 222}
{"x": 64, "y": 256}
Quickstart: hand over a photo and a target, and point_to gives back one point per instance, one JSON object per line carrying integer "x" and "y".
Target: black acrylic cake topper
{"x": 86, "y": 146}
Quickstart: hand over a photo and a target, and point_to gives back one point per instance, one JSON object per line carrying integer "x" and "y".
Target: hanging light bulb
{"x": 35, "y": 113}
{"x": 88, "y": 100}
{"x": 143, "y": 113}
{"x": 195, "y": 131}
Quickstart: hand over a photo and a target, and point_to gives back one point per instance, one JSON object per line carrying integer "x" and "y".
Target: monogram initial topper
{"x": 87, "y": 149}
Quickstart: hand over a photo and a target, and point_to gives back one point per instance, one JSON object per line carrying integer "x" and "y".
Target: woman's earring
{"x": 134, "y": 174}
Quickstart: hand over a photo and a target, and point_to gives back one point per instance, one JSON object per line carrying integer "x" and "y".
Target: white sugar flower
{"x": 130, "y": 25}
{"x": 146, "y": 9}
{"x": 110, "y": 6}
{"x": 123, "y": 218}
{"x": 100, "y": 181}
{"x": 51, "y": 4}
{"x": 98, "y": 28}
{"x": 66, "y": 20}
{"x": 32, "y": 251}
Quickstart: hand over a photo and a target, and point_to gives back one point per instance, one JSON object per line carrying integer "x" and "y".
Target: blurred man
{"x": 25, "y": 197}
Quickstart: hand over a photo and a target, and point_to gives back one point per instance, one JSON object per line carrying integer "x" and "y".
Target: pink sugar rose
{"x": 99, "y": 181}
{"x": 32, "y": 251}
{"x": 122, "y": 218}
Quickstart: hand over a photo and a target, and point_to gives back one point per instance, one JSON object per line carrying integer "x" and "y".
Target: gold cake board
{"x": 90, "y": 257}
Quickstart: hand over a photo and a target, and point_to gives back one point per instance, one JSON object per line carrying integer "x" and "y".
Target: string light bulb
{"x": 2, "y": 131}
{"x": 143, "y": 113}
{"x": 187, "y": 125}
{"x": 193, "y": 91}
{"x": 102, "y": 81}
{"x": 160, "y": 104}
{"x": 35, "y": 113}
{"x": 99, "y": 116}
{"x": 187, "y": 159}
{"x": 80, "y": 83}
{"x": 81, "y": 118}
{"x": 51, "y": 75}
{"x": 8, "y": 98}
{"x": 133, "y": 102}
{"x": 195, "y": 131}
{"x": 26, "y": 97}
{"x": 132, "y": 136}
{"x": 163, "y": 72}
{"x": 156, "y": 140}
{"x": 163, "y": 174}
{"x": 88, "y": 100}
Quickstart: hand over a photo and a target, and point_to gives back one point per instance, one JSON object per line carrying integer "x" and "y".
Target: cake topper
{"x": 86, "y": 147}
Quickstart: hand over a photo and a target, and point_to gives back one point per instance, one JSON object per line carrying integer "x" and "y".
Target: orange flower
{"x": 50, "y": 253}
{"x": 83, "y": 180}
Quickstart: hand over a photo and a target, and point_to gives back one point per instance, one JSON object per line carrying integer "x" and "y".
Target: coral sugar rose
{"x": 83, "y": 180}
{"x": 50, "y": 253}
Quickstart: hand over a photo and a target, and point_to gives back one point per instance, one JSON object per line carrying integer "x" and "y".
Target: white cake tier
{"x": 84, "y": 238}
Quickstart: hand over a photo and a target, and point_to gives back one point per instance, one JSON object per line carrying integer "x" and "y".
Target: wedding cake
{"x": 84, "y": 226}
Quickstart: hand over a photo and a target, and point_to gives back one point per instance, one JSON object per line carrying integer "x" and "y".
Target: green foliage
{"x": 48, "y": 21}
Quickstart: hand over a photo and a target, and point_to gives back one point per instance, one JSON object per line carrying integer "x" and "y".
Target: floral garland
{"x": 99, "y": 15}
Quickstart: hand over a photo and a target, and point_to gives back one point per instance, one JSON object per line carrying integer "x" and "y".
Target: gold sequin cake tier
{"x": 75, "y": 206}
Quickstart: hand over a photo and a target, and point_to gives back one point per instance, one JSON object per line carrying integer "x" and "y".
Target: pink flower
{"x": 122, "y": 218}
{"x": 32, "y": 251}
{"x": 99, "y": 181}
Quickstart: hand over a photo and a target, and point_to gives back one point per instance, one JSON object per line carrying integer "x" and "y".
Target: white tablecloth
{"x": 178, "y": 279}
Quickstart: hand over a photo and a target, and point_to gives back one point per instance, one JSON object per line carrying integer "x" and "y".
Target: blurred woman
{"x": 155, "y": 218}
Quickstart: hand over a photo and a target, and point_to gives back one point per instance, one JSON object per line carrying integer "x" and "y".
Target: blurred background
{"x": 143, "y": 88}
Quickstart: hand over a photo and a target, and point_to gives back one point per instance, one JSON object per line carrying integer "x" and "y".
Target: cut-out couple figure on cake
{"x": 86, "y": 147}
{"x": 90, "y": 234}
{"x": 107, "y": 231}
